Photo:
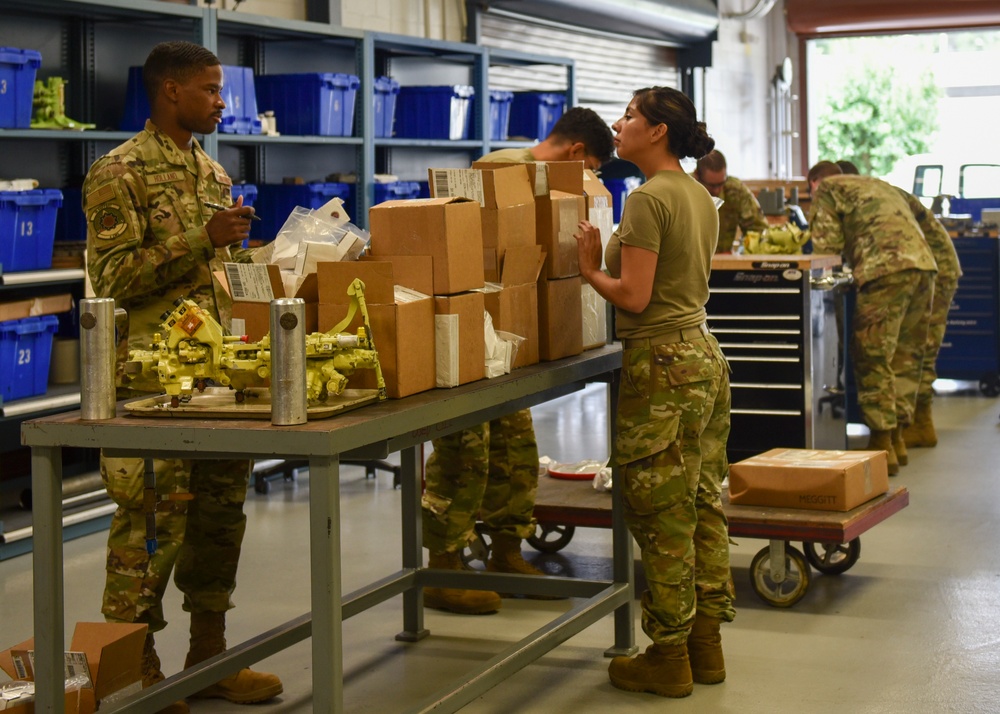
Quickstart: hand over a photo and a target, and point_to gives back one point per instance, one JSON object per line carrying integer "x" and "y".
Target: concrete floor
{"x": 914, "y": 626}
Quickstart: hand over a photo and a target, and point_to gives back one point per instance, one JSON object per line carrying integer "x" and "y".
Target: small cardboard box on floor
{"x": 807, "y": 478}
{"x": 107, "y": 656}
{"x": 507, "y": 199}
{"x": 513, "y": 303}
{"x": 560, "y": 318}
{"x": 447, "y": 229}
{"x": 402, "y": 322}
{"x": 254, "y": 285}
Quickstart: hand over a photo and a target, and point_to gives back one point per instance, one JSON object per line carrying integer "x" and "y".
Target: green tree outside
{"x": 875, "y": 118}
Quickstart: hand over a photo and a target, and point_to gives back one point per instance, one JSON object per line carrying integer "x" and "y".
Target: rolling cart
{"x": 779, "y": 573}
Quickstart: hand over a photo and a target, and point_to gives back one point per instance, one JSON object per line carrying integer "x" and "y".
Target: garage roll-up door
{"x": 812, "y": 18}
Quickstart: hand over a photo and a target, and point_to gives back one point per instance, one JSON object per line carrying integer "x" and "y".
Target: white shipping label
{"x": 249, "y": 282}
{"x": 466, "y": 183}
{"x": 541, "y": 179}
{"x": 446, "y": 350}
{"x": 569, "y": 218}
{"x": 600, "y": 202}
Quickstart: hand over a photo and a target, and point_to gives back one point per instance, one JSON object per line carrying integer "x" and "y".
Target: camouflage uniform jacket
{"x": 940, "y": 243}
{"x": 740, "y": 210}
{"x": 870, "y": 223}
{"x": 147, "y": 244}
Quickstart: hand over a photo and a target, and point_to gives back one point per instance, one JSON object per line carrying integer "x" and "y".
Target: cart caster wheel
{"x": 791, "y": 589}
{"x": 478, "y": 549}
{"x": 990, "y": 385}
{"x": 550, "y": 539}
{"x": 833, "y": 558}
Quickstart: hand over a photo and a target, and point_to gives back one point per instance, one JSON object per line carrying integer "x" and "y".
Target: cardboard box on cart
{"x": 447, "y": 229}
{"x": 826, "y": 480}
{"x": 403, "y": 329}
{"x": 513, "y": 304}
{"x": 505, "y": 194}
{"x": 110, "y": 654}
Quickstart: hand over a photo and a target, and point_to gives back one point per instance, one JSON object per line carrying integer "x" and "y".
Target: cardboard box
{"x": 600, "y": 208}
{"x": 253, "y": 286}
{"x": 415, "y": 272}
{"x": 513, "y": 304}
{"x": 560, "y": 318}
{"x": 33, "y": 307}
{"x": 557, "y": 217}
{"x": 595, "y": 317}
{"x": 447, "y": 229}
{"x": 110, "y": 654}
{"x": 505, "y": 193}
{"x": 806, "y": 478}
{"x": 459, "y": 341}
{"x": 403, "y": 328}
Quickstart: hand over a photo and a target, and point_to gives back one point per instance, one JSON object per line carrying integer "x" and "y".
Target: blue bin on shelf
{"x": 17, "y": 86}
{"x": 275, "y": 202}
{"x": 500, "y": 102}
{"x": 533, "y": 114}
{"x": 310, "y": 104}
{"x": 71, "y": 224}
{"x": 238, "y": 92}
{"x": 386, "y": 90}
{"x": 249, "y": 193}
{"x": 425, "y": 189}
{"x": 25, "y": 352}
{"x": 620, "y": 188}
{"x": 28, "y": 228}
{"x": 392, "y": 191}
{"x": 434, "y": 112}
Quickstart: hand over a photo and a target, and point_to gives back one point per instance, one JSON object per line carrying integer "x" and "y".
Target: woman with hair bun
{"x": 673, "y": 408}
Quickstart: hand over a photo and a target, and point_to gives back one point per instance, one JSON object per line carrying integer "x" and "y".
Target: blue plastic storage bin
{"x": 434, "y": 112}
{"x": 533, "y": 114}
{"x": 310, "y": 104}
{"x": 238, "y": 92}
{"x": 386, "y": 90}
{"x": 25, "y": 351}
{"x": 71, "y": 225}
{"x": 620, "y": 188}
{"x": 17, "y": 86}
{"x": 500, "y": 102}
{"x": 275, "y": 202}
{"x": 249, "y": 193}
{"x": 28, "y": 228}
{"x": 392, "y": 191}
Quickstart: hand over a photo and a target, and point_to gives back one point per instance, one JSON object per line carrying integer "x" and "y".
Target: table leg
{"x": 327, "y": 619}
{"x": 47, "y": 577}
{"x": 621, "y": 544}
{"x": 412, "y": 543}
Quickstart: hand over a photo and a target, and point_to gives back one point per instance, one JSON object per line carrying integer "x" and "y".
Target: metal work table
{"x": 372, "y": 431}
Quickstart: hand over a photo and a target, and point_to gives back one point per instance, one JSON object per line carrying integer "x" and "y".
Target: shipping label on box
{"x": 594, "y": 310}
{"x": 825, "y": 480}
{"x": 460, "y": 350}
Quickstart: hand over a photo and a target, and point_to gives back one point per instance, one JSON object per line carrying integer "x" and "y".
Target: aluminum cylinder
{"x": 288, "y": 362}
{"x": 97, "y": 358}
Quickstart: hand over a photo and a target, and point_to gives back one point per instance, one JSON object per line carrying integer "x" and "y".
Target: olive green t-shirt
{"x": 511, "y": 156}
{"x": 673, "y": 216}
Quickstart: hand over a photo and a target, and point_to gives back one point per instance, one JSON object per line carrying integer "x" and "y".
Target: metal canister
{"x": 288, "y": 362}
{"x": 97, "y": 358}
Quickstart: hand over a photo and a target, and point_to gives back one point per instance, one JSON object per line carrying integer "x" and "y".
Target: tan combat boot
{"x": 506, "y": 557}
{"x": 464, "y": 602}
{"x": 663, "y": 670}
{"x": 151, "y": 675}
{"x": 899, "y": 446}
{"x": 921, "y": 431}
{"x": 704, "y": 648}
{"x": 208, "y": 638}
{"x": 882, "y": 441}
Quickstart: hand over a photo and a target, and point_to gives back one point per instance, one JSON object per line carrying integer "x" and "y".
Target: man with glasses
{"x": 740, "y": 207}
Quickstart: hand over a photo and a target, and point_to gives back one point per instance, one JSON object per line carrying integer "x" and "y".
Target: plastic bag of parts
{"x": 312, "y": 235}
{"x": 597, "y": 472}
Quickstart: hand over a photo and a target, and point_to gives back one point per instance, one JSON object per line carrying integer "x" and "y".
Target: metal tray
{"x": 220, "y": 403}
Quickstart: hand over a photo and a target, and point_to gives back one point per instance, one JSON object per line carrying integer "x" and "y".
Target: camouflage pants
{"x": 887, "y": 345}
{"x": 488, "y": 472}
{"x": 199, "y": 539}
{"x": 673, "y": 425}
{"x": 944, "y": 292}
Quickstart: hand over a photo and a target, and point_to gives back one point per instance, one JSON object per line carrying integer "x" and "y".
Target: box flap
{"x": 522, "y": 264}
{"x": 7, "y": 663}
{"x": 410, "y": 202}
{"x": 114, "y": 653}
{"x": 598, "y": 195}
{"x": 411, "y": 271}
{"x": 564, "y": 176}
{"x": 492, "y": 185}
{"x": 335, "y": 278}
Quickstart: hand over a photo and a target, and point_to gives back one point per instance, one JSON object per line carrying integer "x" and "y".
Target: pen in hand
{"x": 217, "y": 207}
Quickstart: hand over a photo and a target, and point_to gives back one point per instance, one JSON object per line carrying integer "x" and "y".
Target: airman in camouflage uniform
{"x": 151, "y": 240}
{"x": 870, "y": 223}
{"x": 920, "y": 432}
{"x": 740, "y": 208}
{"x": 490, "y": 472}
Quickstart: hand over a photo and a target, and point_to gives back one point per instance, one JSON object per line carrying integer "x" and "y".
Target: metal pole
{"x": 97, "y": 358}
{"x": 288, "y": 362}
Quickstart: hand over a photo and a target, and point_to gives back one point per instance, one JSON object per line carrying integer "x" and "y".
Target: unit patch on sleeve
{"x": 108, "y": 222}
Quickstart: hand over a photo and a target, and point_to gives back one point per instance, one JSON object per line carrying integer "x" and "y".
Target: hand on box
{"x": 588, "y": 241}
